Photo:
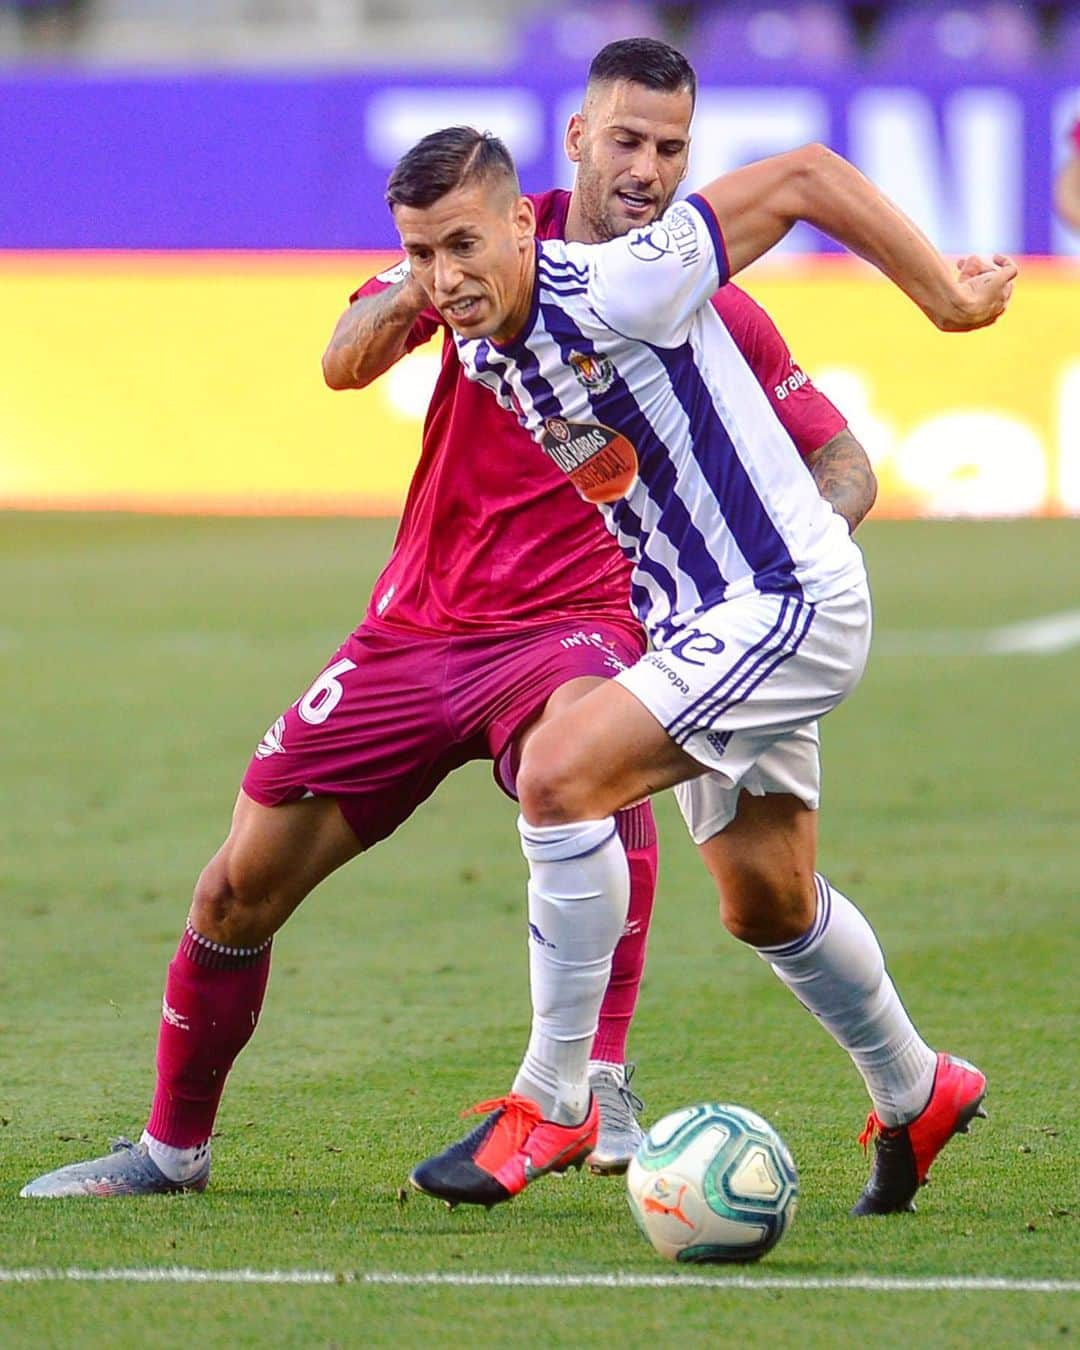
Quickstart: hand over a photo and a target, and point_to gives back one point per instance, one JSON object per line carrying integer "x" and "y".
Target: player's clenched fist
{"x": 984, "y": 291}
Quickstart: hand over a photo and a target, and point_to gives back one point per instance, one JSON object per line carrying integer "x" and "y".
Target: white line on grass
{"x": 510, "y": 1280}
{"x": 1045, "y": 636}
{"x": 1054, "y": 633}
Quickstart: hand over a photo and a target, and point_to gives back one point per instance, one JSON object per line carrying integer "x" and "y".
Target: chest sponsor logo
{"x": 594, "y": 371}
{"x": 601, "y": 463}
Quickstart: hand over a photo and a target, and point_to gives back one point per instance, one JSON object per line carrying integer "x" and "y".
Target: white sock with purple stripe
{"x": 837, "y": 970}
{"x": 579, "y": 892}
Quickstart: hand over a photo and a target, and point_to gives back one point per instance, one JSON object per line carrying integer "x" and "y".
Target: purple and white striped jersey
{"x": 628, "y": 379}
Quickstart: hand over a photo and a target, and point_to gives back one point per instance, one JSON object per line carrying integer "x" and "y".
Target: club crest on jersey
{"x": 594, "y": 371}
{"x": 601, "y": 463}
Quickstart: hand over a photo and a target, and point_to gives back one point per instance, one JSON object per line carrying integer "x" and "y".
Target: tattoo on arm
{"x": 842, "y": 472}
{"x": 371, "y": 315}
{"x": 370, "y": 336}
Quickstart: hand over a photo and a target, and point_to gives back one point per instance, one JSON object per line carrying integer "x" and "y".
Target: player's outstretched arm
{"x": 372, "y": 334}
{"x": 841, "y": 469}
{"x": 757, "y": 205}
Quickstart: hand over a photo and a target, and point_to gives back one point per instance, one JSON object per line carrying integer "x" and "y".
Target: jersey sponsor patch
{"x": 682, "y": 227}
{"x": 677, "y": 233}
{"x": 792, "y": 384}
{"x": 650, "y": 243}
{"x": 601, "y": 463}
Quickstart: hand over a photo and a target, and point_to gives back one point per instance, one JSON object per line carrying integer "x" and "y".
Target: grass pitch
{"x": 142, "y": 659}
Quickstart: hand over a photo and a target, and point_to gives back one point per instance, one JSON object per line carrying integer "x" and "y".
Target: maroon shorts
{"x": 394, "y": 712}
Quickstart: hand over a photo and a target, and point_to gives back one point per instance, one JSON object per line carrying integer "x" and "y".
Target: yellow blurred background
{"x": 191, "y": 382}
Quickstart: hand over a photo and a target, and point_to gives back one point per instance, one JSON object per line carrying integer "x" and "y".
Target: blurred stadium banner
{"x": 264, "y": 159}
{"x": 192, "y": 382}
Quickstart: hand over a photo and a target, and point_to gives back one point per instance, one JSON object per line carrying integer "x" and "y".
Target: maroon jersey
{"x": 493, "y": 535}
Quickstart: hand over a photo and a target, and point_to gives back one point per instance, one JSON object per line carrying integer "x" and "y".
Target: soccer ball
{"x": 713, "y": 1183}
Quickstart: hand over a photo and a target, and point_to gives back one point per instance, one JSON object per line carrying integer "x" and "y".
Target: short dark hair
{"x": 645, "y": 61}
{"x": 445, "y": 160}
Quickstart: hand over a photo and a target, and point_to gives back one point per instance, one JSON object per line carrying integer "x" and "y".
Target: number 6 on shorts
{"x": 325, "y": 694}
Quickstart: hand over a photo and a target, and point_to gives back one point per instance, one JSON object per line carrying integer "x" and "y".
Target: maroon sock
{"x": 213, "y": 995}
{"x": 637, "y": 830}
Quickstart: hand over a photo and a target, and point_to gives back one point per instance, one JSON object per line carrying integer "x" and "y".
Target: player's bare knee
{"x": 550, "y": 787}
{"x": 545, "y": 800}
{"x": 765, "y": 914}
{"x": 230, "y": 908}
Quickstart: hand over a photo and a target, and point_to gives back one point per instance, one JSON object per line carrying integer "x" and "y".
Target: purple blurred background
{"x": 145, "y": 124}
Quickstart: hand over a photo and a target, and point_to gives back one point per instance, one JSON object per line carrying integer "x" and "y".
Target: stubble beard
{"x": 599, "y": 212}
{"x": 594, "y": 211}
{"x": 597, "y": 218}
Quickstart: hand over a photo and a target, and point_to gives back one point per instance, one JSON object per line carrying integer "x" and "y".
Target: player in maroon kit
{"x": 504, "y": 600}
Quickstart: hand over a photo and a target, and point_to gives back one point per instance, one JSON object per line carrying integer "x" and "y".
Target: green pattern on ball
{"x": 747, "y": 1156}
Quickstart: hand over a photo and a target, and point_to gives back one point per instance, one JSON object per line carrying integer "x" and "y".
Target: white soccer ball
{"x": 713, "y": 1183}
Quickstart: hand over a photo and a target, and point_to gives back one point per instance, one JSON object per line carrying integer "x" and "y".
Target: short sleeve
{"x": 427, "y": 322}
{"x": 650, "y": 283}
{"x": 810, "y": 419}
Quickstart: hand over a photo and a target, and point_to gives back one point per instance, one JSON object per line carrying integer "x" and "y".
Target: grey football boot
{"x": 127, "y": 1170}
{"x": 620, "y": 1132}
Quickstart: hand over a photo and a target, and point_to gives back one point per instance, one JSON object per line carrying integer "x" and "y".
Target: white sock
{"x": 579, "y": 893}
{"x": 178, "y": 1164}
{"x": 837, "y": 970}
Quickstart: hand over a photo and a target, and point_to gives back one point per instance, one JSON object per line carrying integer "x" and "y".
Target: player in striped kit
{"x": 753, "y": 594}
{"x": 504, "y": 583}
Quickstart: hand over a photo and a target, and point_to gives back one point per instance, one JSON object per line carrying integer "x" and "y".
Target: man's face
{"x": 631, "y": 146}
{"x": 472, "y": 253}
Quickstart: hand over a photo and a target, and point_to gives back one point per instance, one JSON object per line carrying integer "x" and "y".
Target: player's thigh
{"x": 509, "y": 687}
{"x": 272, "y": 858}
{"x": 288, "y": 848}
{"x": 597, "y": 755}
{"x": 370, "y": 732}
{"x": 557, "y": 703}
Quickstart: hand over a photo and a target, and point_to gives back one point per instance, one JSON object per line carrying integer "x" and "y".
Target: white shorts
{"x": 741, "y": 691}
